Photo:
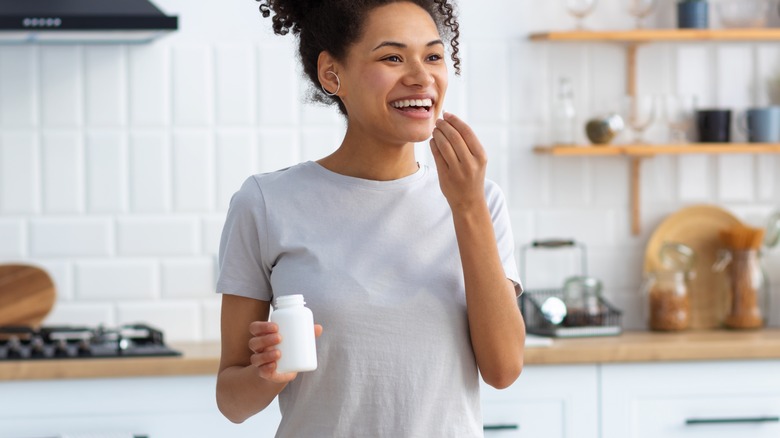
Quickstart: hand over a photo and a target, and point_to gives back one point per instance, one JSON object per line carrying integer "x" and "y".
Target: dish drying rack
{"x": 606, "y": 323}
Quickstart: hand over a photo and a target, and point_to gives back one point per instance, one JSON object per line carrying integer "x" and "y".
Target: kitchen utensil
{"x": 743, "y": 13}
{"x": 580, "y": 9}
{"x": 761, "y": 125}
{"x": 699, "y": 228}
{"x": 27, "y": 295}
{"x": 714, "y": 125}
{"x": 546, "y": 311}
{"x": 602, "y": 130}
{"x": 639, "y": 9}
{"x": 692, "y": 14}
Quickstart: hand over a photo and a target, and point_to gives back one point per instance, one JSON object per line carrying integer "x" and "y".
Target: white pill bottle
{"x": 296, "y": 327}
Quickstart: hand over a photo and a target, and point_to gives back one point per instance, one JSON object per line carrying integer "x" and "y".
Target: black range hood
{"x": 77, "y": 21}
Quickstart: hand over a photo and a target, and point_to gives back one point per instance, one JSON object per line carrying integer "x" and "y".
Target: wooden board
{"x": 27, "y": 295}
{"x": 698, "y": 227}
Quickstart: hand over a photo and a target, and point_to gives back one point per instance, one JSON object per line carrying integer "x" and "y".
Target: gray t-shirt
{"x": 378, "y": 265}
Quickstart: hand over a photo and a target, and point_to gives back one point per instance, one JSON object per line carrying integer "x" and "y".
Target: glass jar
{"x": 668, "y": 300}
{"x": 749, "y": 290}
{"x": 582, "y": 296}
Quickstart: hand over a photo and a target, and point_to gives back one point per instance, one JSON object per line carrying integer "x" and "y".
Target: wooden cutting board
{"x": 27, "y": 295}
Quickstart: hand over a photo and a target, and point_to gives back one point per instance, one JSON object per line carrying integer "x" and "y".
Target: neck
{"x": 365, "y": 157}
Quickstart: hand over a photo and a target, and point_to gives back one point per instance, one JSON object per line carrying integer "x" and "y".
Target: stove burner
{"x": 69, "y": 342}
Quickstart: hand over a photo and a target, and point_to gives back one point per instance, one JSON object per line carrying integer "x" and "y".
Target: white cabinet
{"x": 553, "y": 401}
{"x": 164, "y": 407}
{"x": 691, "y": 400}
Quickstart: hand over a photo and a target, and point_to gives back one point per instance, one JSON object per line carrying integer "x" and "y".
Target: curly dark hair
{"x": 333, "y": 25}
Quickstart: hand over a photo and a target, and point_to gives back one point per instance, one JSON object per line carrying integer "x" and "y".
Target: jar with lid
{"x": 668, "y": 300}
{"x": 582, "y": 296}
{"x": 749, "y": 289}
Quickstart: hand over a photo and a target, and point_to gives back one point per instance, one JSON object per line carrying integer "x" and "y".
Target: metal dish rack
{"x": 606, "y": 323}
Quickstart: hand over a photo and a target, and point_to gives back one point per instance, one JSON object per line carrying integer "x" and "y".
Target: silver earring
{"x": 338, "y": 85}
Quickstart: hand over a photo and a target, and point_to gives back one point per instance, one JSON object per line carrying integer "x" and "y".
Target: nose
{"x": 418, "y": 75}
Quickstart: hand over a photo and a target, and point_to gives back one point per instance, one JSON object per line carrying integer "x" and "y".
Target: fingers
{"x": 456, "y": 141}
{"x": 259, "y": 328}
{"x": 317, "y": 330}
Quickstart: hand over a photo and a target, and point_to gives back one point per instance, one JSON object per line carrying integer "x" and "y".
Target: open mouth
{"x": 413, "y": 105}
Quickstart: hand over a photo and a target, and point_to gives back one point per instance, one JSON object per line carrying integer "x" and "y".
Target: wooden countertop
{"x": 203, "y": 358}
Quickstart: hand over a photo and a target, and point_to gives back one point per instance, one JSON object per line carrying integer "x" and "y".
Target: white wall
{"x": 117, "y": 163}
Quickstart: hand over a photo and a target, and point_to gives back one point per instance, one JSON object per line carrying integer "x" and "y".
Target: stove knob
{"x": 14, "y": 350}
{"x": 36, "y": 347}
{"x": 61, "y": 348}
{"x": 85, "y": 349}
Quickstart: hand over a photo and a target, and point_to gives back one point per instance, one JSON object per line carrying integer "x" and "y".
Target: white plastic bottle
{"x": 296, "y": 327}
{"x": 564, "y": 115}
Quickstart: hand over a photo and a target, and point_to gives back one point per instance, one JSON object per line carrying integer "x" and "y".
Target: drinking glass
{"x": 580, "y": 9}
{"x": 638, "y": 113}
{"x": 639, "y": 9}
{"x": 680, "y": 112}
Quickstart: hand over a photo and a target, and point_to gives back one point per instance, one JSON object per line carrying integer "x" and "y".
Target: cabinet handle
{"x": 552, "y": 243}
{"x": 698, "y": 421}
{"x": 488, "y": 427}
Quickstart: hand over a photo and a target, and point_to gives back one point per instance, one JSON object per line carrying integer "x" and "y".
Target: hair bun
{"x": 288, "y": 15}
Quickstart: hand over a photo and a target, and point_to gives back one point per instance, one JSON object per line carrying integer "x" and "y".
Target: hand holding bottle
{"x": 263, "y": 343}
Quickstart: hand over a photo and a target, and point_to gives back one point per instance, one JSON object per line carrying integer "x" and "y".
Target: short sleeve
{"x": 502, "y": 227}
{"x": 242, "y": 248}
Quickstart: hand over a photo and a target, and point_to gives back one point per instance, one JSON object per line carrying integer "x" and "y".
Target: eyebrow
{"x": 404, "y": 46}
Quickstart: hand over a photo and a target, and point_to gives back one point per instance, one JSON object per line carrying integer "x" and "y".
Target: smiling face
{"x": 395, "y": 77}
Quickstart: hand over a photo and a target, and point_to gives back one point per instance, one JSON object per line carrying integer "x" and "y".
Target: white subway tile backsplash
{"x": 236, "y": 85}
{"x": 116, "y": 279}
{"x": 277, "y": 84}
{"x": 71, "y": 237}
{"x": 592, "y": 227}
{"x": 61, "y": 80}
{"x": 188, "y": 278}
{"x": 149, "y": 85}
{"x": 212, "y": 233}
{"x": 18, "y": 86}
{"x": 766, "y": 178}
{"x": 61, "y": 273}
{"x": 694, "y": 176}
{"x": 235, "y": 151}
{"x": 608, "y": 189}
{"x": 658, "y": 182}
{"x": 105, "y": 84}
{"x": 737, "y": 178}
{"x": 694, "y": 72}
{"x": 212, "y": 310}
{"x": 193, "y": 171}
{"x": 63, "y": 172}
{"x": 486, "y": 103}
{"x": 180, "y": 321}
{"x": 150, "y": 172}
{"x": 82, "y": 314}
{"x": 157, "y": 236}
{"x": 735, "y": 67}
{"x": 767, "y": 83}
{"x": 193, "y": 86}
{"x": 569, "y": 181}
{"x": 319, "y": 142}
{"x": 278, "y": 148}
{"x": 106, "y": 172}
{"x": 19, "y": 173}
{"x": 12, "y": 238}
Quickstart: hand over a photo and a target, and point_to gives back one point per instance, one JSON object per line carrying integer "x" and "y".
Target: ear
{"x": 327, "y": 69}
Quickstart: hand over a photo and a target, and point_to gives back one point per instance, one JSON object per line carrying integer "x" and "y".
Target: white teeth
{"x": 412, "y": 102}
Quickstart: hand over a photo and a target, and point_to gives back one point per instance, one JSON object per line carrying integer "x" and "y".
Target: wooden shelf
{"x": 660, "y": 35}
{"x": 639, "y": 150}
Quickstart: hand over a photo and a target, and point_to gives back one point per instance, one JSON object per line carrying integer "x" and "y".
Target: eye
{"x": 392, "y": 58}
{"x": 435, "y": 57}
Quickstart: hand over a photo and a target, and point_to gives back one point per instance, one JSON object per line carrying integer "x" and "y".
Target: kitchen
{"x": 117, "y": 163}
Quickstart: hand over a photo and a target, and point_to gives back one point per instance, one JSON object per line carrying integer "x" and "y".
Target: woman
{"x": 410, "y": 272}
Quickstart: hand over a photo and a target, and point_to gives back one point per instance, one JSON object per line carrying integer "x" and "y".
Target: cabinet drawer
{"x": 523, "y": 419}
{"x": 721, "y": 417}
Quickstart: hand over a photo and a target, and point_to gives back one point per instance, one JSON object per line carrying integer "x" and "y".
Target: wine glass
{"x": 639, "y": 113}
{"x": 679, "y": 111}
{"x": 580, "y": 9}
{"x": 640, "y": 9}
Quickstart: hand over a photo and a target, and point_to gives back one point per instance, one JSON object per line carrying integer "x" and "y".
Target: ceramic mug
{"x": 761, "y": 125}
{"x": 714, "y": 125}
{"x": 692, "y": 15}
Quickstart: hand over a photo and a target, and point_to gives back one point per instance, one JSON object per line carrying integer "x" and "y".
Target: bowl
{"x": 743, "y": 13}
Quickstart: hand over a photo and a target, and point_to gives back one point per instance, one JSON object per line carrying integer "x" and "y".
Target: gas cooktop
{"x": 73, "y": 342}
